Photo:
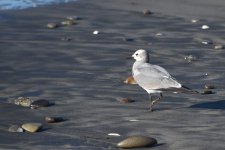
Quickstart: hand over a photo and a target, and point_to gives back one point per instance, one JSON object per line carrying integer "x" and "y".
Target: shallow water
{"x": 21, "y": 4}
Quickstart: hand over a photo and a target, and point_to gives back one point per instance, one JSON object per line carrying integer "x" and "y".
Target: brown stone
{"x": 126, "y": 101}
{"x": 32, "y": 127}
{"x": 137, "y": 142}
{"x": 130, "y": 80}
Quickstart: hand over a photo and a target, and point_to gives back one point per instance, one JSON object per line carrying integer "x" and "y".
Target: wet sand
{"x": 84, "y": 76}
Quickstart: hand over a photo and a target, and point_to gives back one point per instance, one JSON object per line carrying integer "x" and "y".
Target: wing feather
{"x": 154, "y": 77}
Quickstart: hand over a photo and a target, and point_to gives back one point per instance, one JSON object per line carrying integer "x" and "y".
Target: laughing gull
{"x": 153, "y": 78}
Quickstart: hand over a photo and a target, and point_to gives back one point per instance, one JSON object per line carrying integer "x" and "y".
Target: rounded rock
{"x": 207, "y": 42}
{"x": 204, "y": 27}
{"x": 32, "y": 127}
{"x": 73, "y": 18}
{"x": 190, "y": 58}
{"x": 66, "y": 38}
{"x": 67, "y": 22}
{"x": 208, "y": 92}
{"x": 130, "y": 80}
{"x": 137, "y": 142}
{"x": 40, "y": 103}
{"x": 218, "y": 46}
{"x": 51, "y": 25}
{"x": 126, "y": 100}
{"x": 23, "y": 101}
{"x": 96, "y": 32}
{"x": 15, "y": 128}
{"x": 194, "y": 20}
{"x": 147, "y": 12}
{"x": 53, "y": 119}
{"x": 209, "y": 86}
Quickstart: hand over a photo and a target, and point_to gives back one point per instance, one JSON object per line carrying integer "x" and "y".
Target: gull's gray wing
{"x": 154, "y": 77}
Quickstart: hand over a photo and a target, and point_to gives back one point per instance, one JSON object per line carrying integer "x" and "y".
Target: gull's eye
{"x": 136, "y": 54}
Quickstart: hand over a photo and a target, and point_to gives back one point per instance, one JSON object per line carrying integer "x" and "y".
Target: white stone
{"x": 204, "y": 27}
{"x": 96, "y": 32}
{"x": 194, "y": 20}
{"x": 114, "y": 134}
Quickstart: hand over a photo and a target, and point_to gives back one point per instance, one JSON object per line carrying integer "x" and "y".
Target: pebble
{"x": 126, "y": 100}
{"x": 130, "y": 80}
{"x": 218, "y": 46}
{"x": 204, "y": 27}
{"x": 207, "y": 42}
{"x": 190, "y": 58}
{"x": 208, "y": 92}
{"x": 32, "y": 127}
{"x": 51, "y": 25}
{"x": 128, "y": 39}
{"x": 209, "y": 86}
{"x": 73, "y": 18}
{"x": 66, "y": 38}
{"x": 15, "y": 128}
{"x": 53, "y": 119}
{"x": 147, "y": 12}
{"x": 96, "y": 32}
{"x": 194, "y": 20}
{"x": 114, "y": 134}
{"x": 40, "y": 103}
{"x": 68, "y": 22}
{"x": 159, "y": 34}
{"x": 134, "y": 120}
{"x": 23, "y": 101}
{"x": 137, "y": 142}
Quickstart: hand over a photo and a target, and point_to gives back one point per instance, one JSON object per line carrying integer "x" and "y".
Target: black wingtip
{"x": 188, "y": 90}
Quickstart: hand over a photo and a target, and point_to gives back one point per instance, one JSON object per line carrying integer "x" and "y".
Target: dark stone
{"x": 126, "y": 101}
{"x": 40, "y": 103}
{"x": 147, "y": 12}
{"x": 54, "y": 119}
{"x": 209, "y": 86}
{"x": 208, "y": 92}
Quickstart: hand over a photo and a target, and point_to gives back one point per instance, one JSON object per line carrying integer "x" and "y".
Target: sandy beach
{"x": 83, "y": 73}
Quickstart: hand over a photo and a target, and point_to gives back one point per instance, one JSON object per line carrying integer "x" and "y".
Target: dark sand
{"x": 83, "y": 77}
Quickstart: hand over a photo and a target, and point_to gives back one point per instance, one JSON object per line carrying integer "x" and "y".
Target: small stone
{"x": 96, "y": 32}
{"x": 53, "y": 119}
{"x": 51, "y": 25}
{"x": 126, "y": 100}
{"x": 73, "y": 18}
{"x": 114, "y": 134}
{"x": 137, "y": 142}
{"x": 209, "y": 86}
{"x": 134, "y": 120}
{"x": 66, "y": 38}
{"x": 218, "y": 46}
{"x": 208, "y": 92}
{"x": 159, "y": 34}
{"x": 194, "y": 20}
{"x": 204, "y": 27}
{"x": 147, "y": 12}
{"x": 40, "y": 103}
{"x": 23, "y": 101}
{"x": 15, "y": 128}
{"x": 207, "y": 42}
{"x": 68, "y": 22}
{"x": 32, "y": 127}
{"x": 190, "y": 58}
{"x": 130, "y": 80}
{"x": 128, "y": 39}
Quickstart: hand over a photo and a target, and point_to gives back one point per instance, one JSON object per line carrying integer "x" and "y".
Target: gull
{"x": 153, "y": 78}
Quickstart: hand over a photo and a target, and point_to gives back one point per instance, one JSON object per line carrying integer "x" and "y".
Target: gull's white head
{"x": 141, "y": 55}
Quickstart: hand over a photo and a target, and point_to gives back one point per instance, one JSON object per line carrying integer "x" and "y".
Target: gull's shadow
{"x": 210, "y": 105}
